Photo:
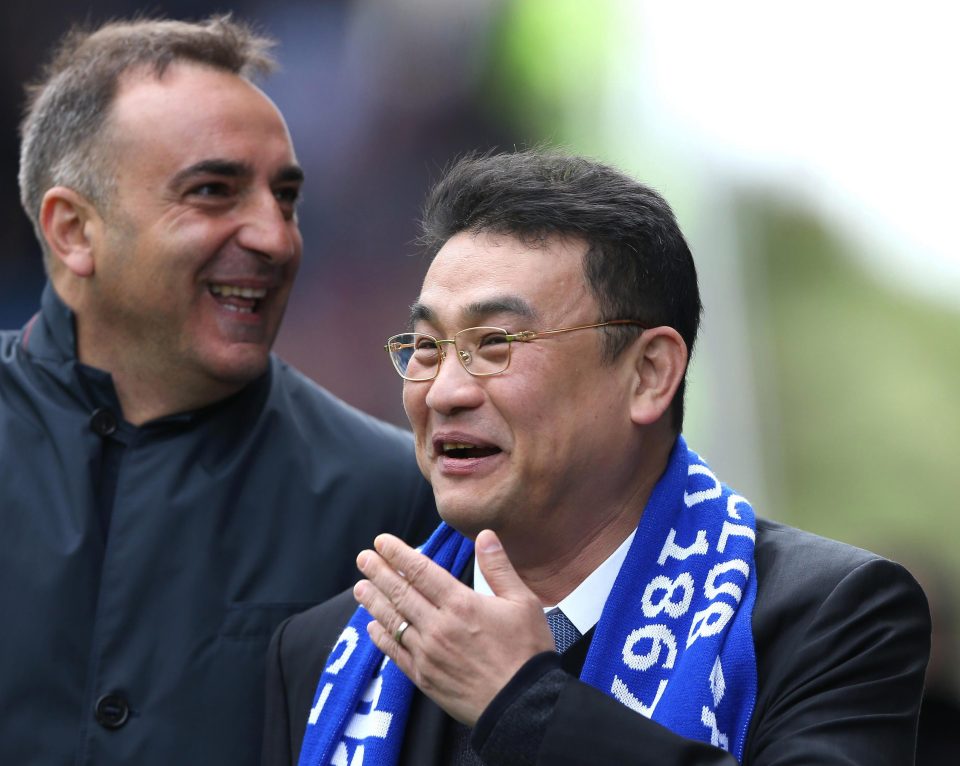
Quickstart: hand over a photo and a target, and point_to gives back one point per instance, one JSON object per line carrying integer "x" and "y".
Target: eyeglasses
{"x": 483, "y": 351}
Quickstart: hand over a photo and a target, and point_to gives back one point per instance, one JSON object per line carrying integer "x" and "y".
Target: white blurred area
{"x": 851, "y": 106}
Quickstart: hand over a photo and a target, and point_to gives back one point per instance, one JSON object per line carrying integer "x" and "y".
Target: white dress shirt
{"x": 584, "y": 604}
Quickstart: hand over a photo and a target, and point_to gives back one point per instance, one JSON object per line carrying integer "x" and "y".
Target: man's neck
{"x": 143, "y": 401}
{"x": 556, "y": 576}
{"x": 146, "y": 395}
{"x": 554, "y": 562}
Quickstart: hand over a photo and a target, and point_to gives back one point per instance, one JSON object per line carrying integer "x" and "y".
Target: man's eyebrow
{"x": 228, "y": 168}
{"x": 290, "y": 174}
{"x": 508, "y": 304}
{"x": 420, "y": 313}
{"x": 234, "y": 169}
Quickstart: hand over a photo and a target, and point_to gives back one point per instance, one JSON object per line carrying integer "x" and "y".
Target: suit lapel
{"x": 425, "y": 732}
{"x": 573, "y": 659}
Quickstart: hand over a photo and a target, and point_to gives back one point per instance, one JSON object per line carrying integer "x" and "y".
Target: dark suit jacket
{"x": 842, "y": 639}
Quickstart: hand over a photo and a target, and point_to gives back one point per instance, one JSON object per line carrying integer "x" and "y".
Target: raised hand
{"x": 459, "y": 647}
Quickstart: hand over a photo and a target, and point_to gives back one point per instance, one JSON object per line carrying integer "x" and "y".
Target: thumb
{"x": 496, "y": 567}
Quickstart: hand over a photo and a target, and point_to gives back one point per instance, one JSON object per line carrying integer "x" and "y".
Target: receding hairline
{"x": 146, "y": 74}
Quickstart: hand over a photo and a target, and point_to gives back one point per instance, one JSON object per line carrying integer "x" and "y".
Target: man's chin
{"x": 469, "y": 519}
{"x": 240, "y": 366}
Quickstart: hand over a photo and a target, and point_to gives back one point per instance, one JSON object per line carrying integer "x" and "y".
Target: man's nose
{"x": 268, "y": 230}
{"x": 454, "y": 388}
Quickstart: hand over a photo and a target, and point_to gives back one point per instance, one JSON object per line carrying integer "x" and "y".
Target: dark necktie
{"x": 564, "y": 632}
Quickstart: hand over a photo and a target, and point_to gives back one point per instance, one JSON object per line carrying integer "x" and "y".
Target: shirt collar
{"x": 584, "y": 605}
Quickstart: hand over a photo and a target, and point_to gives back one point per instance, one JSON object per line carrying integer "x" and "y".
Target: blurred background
{"x": 811, "y": 157}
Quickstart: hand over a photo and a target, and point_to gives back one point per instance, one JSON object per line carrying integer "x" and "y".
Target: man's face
{"x": 200, "y": 241}
{"x": 541, "y": 445}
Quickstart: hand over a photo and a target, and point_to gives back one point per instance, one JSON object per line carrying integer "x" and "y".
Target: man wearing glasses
{"x": 595, "y": 595}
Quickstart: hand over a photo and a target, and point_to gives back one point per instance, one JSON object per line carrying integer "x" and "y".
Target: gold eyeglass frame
{"x": 524, "y": 336}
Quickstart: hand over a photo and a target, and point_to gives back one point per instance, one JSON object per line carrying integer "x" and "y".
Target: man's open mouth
{"x": 244, "y": 300}
{"x": 463, "y": 450}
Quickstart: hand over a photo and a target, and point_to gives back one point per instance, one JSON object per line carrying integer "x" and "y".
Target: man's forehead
{"x": 472, "y": 310}
{"x": 195, "y": 116}
{"x": 486, "y": 274}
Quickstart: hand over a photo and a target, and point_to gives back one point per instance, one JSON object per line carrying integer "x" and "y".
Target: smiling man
{"x": 169, "y": 490}
{"x": 626, "y": 607}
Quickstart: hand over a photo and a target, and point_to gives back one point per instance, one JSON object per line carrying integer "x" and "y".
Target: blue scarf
{"x": 673, "y": 643}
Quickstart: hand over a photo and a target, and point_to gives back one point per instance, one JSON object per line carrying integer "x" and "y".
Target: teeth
{"x": 447, "y": 446}
{"x": 229, "y": 291}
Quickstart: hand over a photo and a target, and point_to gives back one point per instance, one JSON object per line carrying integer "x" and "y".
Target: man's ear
{"x": 661, "y": 361}
{"x": 68, "y": 220}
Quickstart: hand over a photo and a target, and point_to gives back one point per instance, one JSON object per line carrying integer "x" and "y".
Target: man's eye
{"x": 287, "y": 198}
{"x": 492, "y": 339}
{"x": 212, "y": 189}
{"x": 287, "y": 195}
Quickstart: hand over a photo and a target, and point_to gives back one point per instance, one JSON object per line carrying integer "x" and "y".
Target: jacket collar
{"x": 51, "y": 334}
{"x": 50, "y": 340}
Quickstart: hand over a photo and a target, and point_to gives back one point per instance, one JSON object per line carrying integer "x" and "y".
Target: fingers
{"x": 389, "y": 617}
{"x": 396, "y": 643}
{"x": 399, "y": 586}
{"x": 386, "y": 592}
{"x": 449, "y": 640}
{"x": 428, "y": 579}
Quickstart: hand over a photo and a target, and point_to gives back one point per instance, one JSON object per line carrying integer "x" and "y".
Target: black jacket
{"x": 842, "y": 639}
{"x": 146, "y": 568}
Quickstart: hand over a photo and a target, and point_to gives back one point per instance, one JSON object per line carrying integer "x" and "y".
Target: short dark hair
{"x": 637, "y": 265}
{"x": 62, "y": 132}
